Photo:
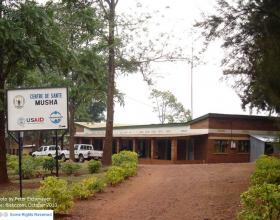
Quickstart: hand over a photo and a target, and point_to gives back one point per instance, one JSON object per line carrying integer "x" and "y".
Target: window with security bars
{"x": 221, "y": 146}
{"x": 243, "y": 146}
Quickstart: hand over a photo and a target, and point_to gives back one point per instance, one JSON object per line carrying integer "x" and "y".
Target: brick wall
{"x": 243, "y": 124}
{"x": 231, "y": 156}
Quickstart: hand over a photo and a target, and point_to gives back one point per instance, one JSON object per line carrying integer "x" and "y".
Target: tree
{"x": 251, "y": 37}
{"x": 168, "y": 108}
{"x": 93, "y": 112}
{"x": 86, "y": 76}
{"x": 29, "y": 38}
{"x": 110, "y": 16}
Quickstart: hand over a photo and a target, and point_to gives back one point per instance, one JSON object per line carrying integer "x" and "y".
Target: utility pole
{"x": 192, "y": 82}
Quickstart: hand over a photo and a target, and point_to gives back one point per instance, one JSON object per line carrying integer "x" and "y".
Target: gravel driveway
{"x": 189, "y": 192}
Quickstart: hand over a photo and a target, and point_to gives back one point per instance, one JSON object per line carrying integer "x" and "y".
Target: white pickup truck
{"x": 46, "y": 151}
{"x": 82, "y": 152}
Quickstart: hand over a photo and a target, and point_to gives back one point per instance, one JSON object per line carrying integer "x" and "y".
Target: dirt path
{"x": 202, "y": 191}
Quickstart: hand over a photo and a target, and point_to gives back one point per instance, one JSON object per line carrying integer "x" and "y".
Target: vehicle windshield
{"x": 76, "y": 147}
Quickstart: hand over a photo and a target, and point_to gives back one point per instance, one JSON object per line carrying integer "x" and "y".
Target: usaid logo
{"x": 36, "y": 120}
{"x": 19, "y": 101}
{"x": 56, "y": 117}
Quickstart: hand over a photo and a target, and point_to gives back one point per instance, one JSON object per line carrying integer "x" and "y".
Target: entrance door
{"x": 190, "y": 149}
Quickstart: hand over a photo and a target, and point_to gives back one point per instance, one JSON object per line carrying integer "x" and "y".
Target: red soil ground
{"x": 189, "y": 192}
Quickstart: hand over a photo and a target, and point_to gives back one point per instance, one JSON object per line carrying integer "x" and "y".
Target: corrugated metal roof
{"x": 266, "y": 138}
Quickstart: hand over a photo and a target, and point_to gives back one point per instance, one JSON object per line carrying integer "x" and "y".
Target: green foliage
{"x": 267, "y": 162}
{"x": 250, "y": 33}
{"x": 70, "y": 167}
{"x": 87, "y": 187}
{"x": 80, "y": 191}
{"x": 12, "y": 161}
{"x": 29, "y": 167}
{"x": 40, "y": 161}
{"x": 98, "y": 186}
{"x": 94, "y": 166}
{"x": 124, "y": 157}
{"x": 115, "y": 175}
{"x": 168, "y": 108}
{"x": 94, "y": 184}
{"x": 49, "y": 164}
{"x": 261, "y": 202}
{"x": 128, "y": 161}
{"x": 262, "y": 176}
{"x": 130, "y": 169}
{"x": 267, "y": 171}
{"x": 57, "y": 190}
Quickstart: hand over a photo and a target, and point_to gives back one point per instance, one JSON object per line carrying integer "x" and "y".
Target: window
{"x": 221, "y": 146}
{"x": 243, "y": 146}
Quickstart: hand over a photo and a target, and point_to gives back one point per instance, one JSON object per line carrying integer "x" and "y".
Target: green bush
{"x": 57, "y": 190}
{"x": 40, "y": 160}
{"x": 29, "y": 167}
{"x": 261, "y": 202}
{"x": 80, "y": 191}
{"x": 130, "y": 169}
{"x": 70, "y": 167}
{"x": 94, "y": 184}
{"x": 49, "y": 164}
{"x": 267, "y": 162}
{"x": 94, "y": 166}
{"x": 12, "y": 161}
{"x": 265, "y": 176}
{"x": 267, "y": 171}
{"x": 115, "y": 175}
{"x": 124, "y": 157}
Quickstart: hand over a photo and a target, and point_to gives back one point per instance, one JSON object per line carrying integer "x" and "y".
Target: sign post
{"x": 20, "y": 144}
{"x": 56, "y": 153}
{"x": 36, "y": 109}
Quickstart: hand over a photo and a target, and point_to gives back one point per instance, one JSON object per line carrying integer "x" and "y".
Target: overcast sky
{"x": 211, "y": 94}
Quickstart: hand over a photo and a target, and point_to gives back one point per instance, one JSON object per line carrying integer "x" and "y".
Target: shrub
{"x": 261, "y": 202}
{"x": 267, "y": 171}
{"x": 49, "y": 164}
{"x": 80, "y": 191}
{"x": 40, "y": 160}
{"x": 115, "y": 175}
{"x": 56, "y": 189}
{"x": 29, "y": 167}
{"x": 265, "y": 176}
{"x": 70, "y": 167}
{"x": 267, "y": 162}
{"x": 94, "y": 166}
{"x": 130, "y": 169}
{"x": 124, "y": 157}
{"x": 94, "y": 184}
{"x": 12, "y": 161}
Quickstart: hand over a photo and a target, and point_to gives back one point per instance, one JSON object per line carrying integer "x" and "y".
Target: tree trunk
{"x": 3, "y": 166}
{"x": 72, "y": 131}
{"x": 107, "y": 150}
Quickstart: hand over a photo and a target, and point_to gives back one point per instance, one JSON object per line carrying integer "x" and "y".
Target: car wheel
{"x": 63, "y": 158}
{"x": 81, "y": 158}
{"x": 49, "y": 155}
